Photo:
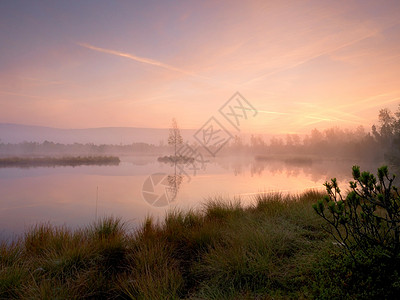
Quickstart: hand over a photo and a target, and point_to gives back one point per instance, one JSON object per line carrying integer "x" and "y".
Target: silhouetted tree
{"x": 396, "y": 128}
{"x": 175, "y": 139}
{"x": 387, "y": 135}
{"x": 384, "y": 133}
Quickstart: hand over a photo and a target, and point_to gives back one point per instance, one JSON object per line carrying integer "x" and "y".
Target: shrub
{"x": 368, "y": 217}
{"x": 366, "y": 225}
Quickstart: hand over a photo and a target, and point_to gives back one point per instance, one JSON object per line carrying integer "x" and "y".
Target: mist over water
{"x": 68, "y": 196}
{"x": 74, "y": 184}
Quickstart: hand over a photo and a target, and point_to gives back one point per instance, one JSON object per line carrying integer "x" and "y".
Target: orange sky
{"x": 302, "y": 64}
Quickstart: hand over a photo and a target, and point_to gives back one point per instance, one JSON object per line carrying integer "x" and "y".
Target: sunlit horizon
{"x": 302, "y": 65}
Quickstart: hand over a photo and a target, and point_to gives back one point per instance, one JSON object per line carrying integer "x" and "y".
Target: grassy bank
{"x": 224, "y": 251}
{"x": 25, "y": 162}
{"x": 274, "y": 249}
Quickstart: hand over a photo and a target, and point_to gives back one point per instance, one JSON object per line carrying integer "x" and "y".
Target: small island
{"x": 175, "y": 140}
{"x": 26, "y": 162}
{"x": 176, "y": 159}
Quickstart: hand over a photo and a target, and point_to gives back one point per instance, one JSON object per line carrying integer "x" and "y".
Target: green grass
{"x": 274, "y": 249}
{"x": 26, "y": 162}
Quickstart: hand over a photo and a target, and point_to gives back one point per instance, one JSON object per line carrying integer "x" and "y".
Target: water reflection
{"x": 161, "y": 189}
{"x": 174, "y": 183}
{"x": 67, "y": 196}
{"x": 317, "y": 169}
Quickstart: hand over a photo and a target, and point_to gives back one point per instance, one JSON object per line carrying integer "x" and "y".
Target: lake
{"x": 142, "y": 186}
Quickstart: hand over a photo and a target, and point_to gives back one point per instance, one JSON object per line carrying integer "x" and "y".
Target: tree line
{"x": 382, "y": 142}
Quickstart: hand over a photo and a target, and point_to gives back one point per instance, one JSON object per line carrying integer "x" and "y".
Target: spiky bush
{"x": 366, "y": 226}
{"x": 368, "y": 217}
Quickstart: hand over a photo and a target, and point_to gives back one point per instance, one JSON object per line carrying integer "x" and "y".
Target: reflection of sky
{"x": 302, "y": 64}
{"x": 67, "y": 196}
{"x": 124, "y": 169}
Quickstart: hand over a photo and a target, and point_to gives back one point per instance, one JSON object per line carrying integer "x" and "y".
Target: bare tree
{"x": 175, "y": 139}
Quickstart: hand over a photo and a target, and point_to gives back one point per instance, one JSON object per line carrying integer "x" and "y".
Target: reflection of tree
{"x": 174, "y": 183}
{"x": 237, "y": 168}
{"x": 317, "y": 170}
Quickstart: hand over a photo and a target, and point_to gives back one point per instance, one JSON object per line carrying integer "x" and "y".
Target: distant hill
{"x": 17, "y": 133}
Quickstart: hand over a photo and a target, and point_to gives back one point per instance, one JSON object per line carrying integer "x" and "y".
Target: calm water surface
{"x": 74, "y": 196}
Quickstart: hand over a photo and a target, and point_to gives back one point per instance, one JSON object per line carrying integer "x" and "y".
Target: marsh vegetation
{"x": 279, "y": 247}
{"x": 225, "y": 251}
{"x": 26, "y": 162}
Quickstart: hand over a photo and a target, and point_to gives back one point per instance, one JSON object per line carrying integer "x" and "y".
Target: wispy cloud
{"x": 272, "y": 112}
{"x": 311, "y": 57}
{"x": 19, "y": 95}
{"x": 374, "y": 101}
{"x": 42, "y": 82}
{"x": 139, "y": 59}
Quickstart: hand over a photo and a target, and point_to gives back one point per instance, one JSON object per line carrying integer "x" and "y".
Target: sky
{"x": 301, "y": 64}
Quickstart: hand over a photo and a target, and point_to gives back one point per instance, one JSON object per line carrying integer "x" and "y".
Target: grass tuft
{"x": 273, "y": 249}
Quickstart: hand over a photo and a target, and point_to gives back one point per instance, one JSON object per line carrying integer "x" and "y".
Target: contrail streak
{"x": 140, "y": 59}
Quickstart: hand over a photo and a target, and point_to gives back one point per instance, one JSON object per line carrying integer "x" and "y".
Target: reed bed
{"x": 26, "y": 162}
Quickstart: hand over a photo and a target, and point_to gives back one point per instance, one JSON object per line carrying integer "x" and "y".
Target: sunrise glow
{"x": 302, "y": 64}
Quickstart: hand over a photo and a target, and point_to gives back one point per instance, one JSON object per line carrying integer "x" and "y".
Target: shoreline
{"x": 50, "y": 161}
